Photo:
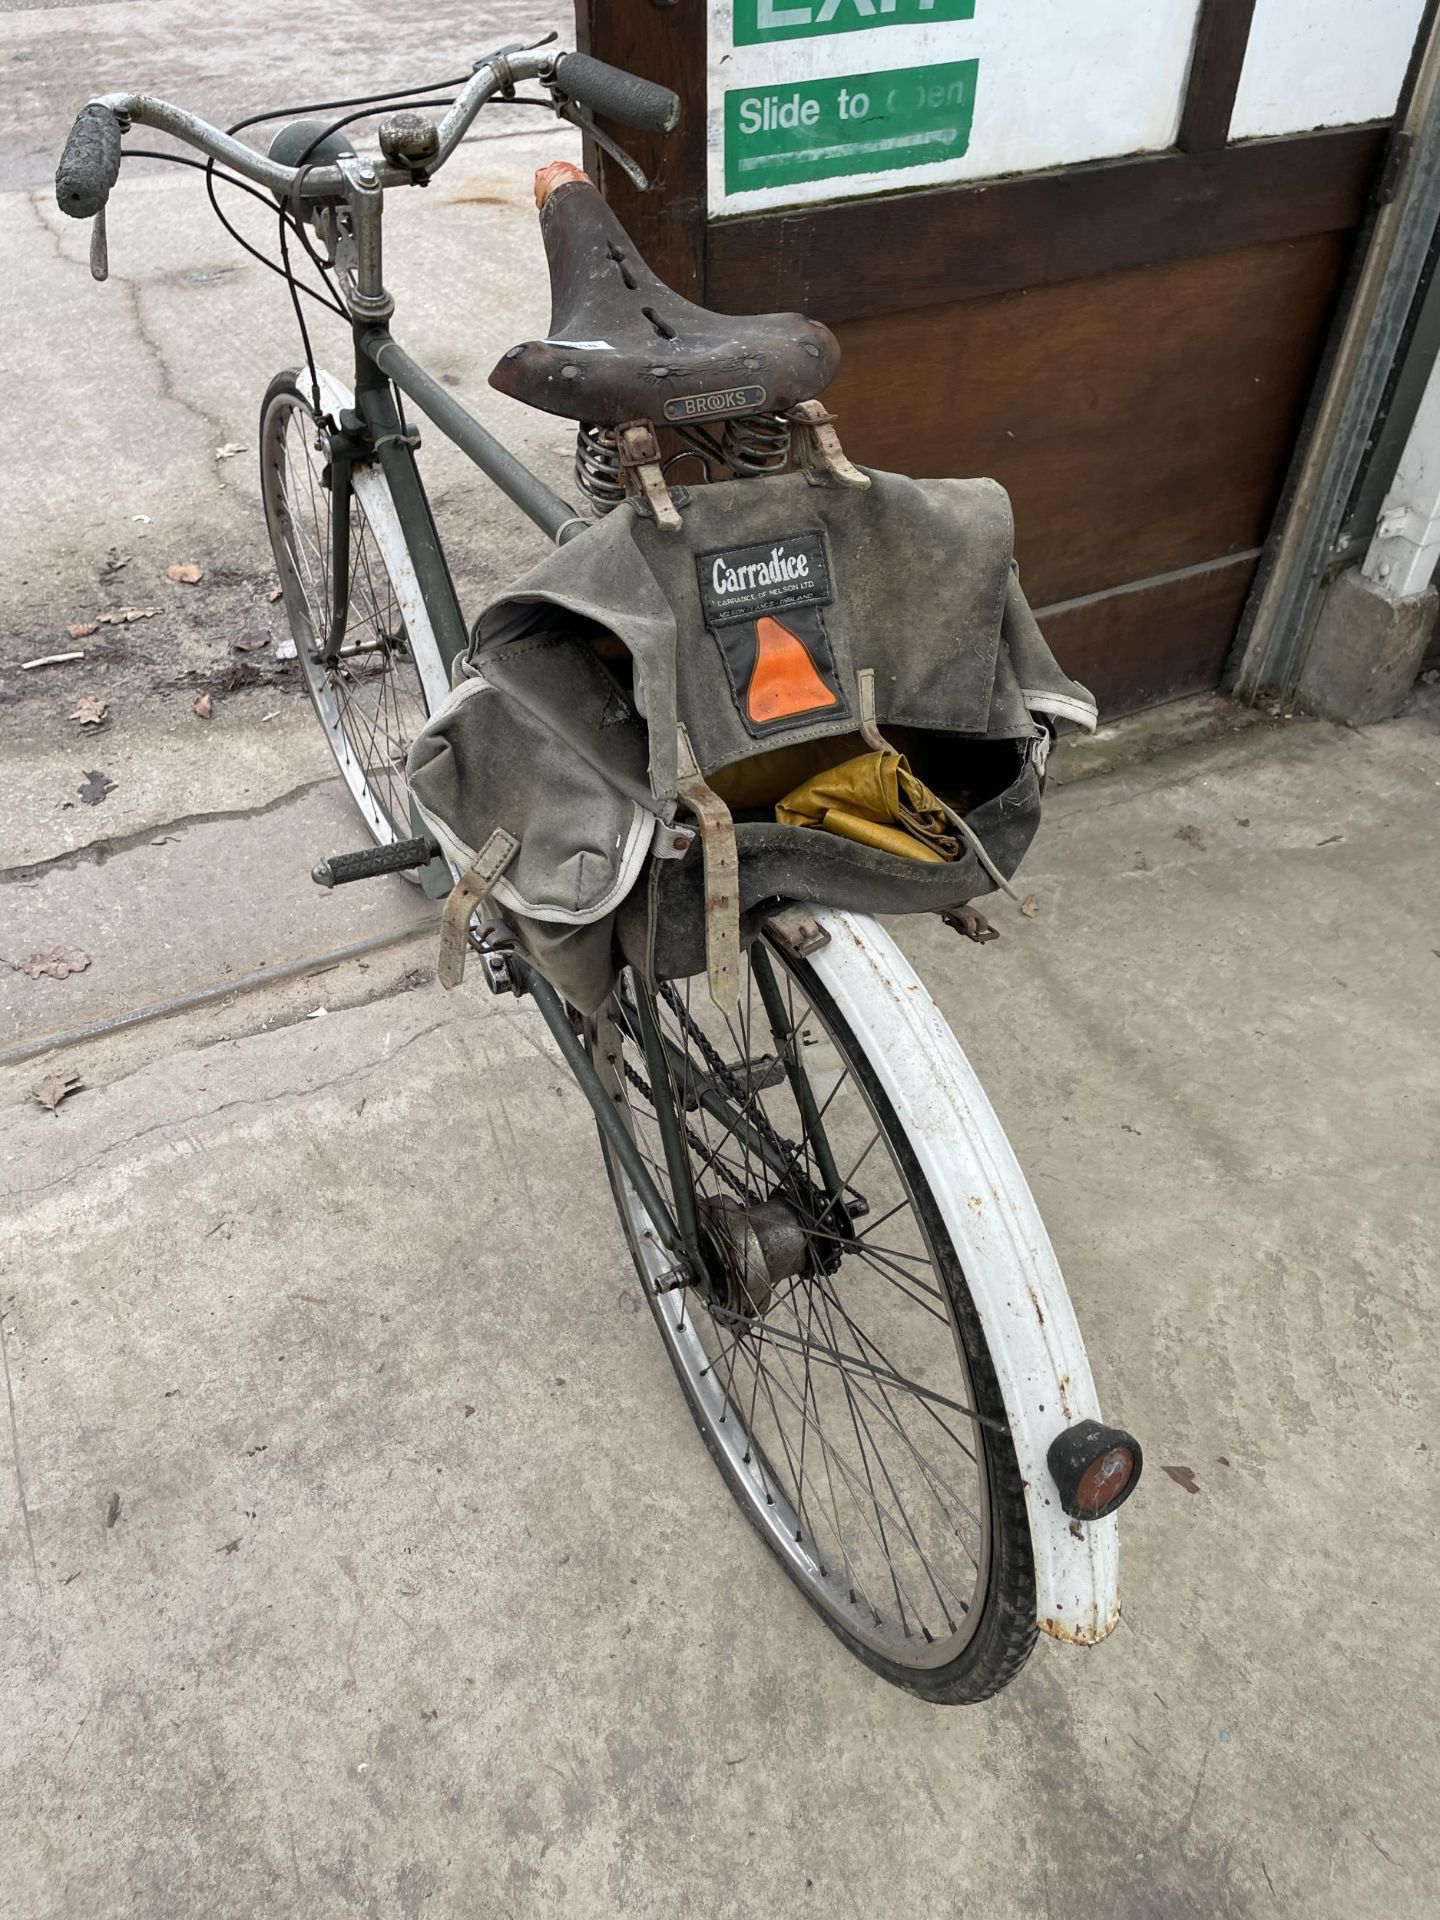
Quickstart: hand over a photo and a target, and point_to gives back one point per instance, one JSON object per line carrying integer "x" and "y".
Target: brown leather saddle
{"x": 623, "y": 348}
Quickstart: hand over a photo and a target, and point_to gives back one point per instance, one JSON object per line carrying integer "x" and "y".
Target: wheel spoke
{"x": 840, "y": 1393}
{"x": 372, "y": 703}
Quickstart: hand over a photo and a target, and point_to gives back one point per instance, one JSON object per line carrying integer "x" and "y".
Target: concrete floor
{"x": 356, "y": 1553}
{"x": 421, "y": 1593}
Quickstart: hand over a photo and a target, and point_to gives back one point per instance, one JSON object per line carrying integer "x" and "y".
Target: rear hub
{"x": 749, "y": 1250}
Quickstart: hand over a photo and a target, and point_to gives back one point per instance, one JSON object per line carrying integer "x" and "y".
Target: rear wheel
{"x": 830, "y": 1352}
{"x": 388, "y": 675}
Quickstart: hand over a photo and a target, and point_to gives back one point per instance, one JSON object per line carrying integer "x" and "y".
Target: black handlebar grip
{"x": 341, "y": 868}
{"x": 617, "y": 95}
{"x": 90, "y": 164}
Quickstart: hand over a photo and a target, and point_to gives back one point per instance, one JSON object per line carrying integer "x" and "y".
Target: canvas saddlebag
{"x": 633, "y": 709}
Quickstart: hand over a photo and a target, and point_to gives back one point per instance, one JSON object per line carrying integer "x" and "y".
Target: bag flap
{"x": 749, "y": 625}
{"x": 489, "y": 759}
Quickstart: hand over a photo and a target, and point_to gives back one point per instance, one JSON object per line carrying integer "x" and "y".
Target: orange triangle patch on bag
{"x": 784, "y": 681}
{"x": 764, "y": 605}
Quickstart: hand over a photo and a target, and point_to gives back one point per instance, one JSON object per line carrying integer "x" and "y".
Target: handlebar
{"x": 90, "y": 164}
{"x": 618, "y": 95}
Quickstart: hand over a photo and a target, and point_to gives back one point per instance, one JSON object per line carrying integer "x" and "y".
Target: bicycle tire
{"x": 1001, "y": 1637}
{"x": 390, "y": 676}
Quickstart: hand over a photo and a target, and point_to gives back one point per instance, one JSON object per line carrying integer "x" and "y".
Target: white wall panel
{"x": 1058, "y": 81}
{"x": 1323, "y": 63}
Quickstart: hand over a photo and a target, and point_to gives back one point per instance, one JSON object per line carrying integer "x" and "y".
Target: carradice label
{"x": 763, "y": 606}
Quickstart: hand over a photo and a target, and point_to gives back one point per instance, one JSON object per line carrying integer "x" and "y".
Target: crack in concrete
{"x": 409, "y": 982}
{"x": 225, "y": 1106}
{"x": 97, "y": 852}
{"x": 15, "y": 1449}
{"x": 31, "y": 199}
{"x": 212, "y": 423}
{"x": 130, "y": 290}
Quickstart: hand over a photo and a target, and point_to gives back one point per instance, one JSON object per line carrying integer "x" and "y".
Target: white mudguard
{"x": 1013, "y": 1275}
{"x": 373, "y": 491}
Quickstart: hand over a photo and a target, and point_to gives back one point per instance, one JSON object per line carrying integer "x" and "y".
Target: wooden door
{"x": 1126, "y": 343}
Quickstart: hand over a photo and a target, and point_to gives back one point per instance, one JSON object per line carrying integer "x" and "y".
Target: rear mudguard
{"x": 1009, "y": 1264}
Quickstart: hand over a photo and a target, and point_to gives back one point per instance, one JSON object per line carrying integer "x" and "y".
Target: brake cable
{"x": 232, "y": 180}
{"x": 363, "y": 102}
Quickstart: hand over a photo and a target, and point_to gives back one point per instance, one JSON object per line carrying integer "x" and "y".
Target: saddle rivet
{"x": 569, "y": 373}
{"x": 658, "y": 373}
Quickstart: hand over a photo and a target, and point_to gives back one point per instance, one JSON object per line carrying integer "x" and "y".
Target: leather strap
{"x": 722, "y": 875}
{"x": 876, "y": 741}
{"x": 469, "y": 890}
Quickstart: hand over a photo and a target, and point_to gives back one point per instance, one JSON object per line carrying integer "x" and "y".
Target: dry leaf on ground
{"x": 97, "y": 787}
{"x": 82, "y": 629}
{"x": 1183, "y": 1477}
{"x": 59, "y": 963}
{"x": 204, "y": 706}
{"x": 57, "y": 1088}
{"x": 252, "y": 640}
{"x": 122, "y": 616}
{"x": 184, "y": 572}
{"x": 285, "y": 649}
{"x": 1029, "y": 906}
{"x": 90, "y": 710}
{"x": 275, "y": 594}
{"x": 229, "y": 450}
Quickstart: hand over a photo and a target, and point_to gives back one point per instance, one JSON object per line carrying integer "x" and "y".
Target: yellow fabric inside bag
{"x": 876, "y": 800}
{"x": 760, "y": 780}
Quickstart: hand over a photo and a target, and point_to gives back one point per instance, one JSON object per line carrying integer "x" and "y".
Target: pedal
{"x": 341, "y": 868}
{"x": 973, "y": 925}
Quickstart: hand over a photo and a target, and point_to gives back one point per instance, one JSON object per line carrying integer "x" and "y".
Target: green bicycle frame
{"x": 380, "y": 430}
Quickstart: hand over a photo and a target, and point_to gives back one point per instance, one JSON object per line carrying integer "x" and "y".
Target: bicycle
{"x": 839, "y": 1250}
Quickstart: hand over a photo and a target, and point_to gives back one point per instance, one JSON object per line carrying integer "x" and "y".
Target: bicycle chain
{"x": 694, "y": 1140}
{"x": 715, "y": 1062}
{"x": 817, "y": 1203}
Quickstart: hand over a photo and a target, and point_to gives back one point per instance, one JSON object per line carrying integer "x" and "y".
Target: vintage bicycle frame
{"x": 1042, "y": 1369}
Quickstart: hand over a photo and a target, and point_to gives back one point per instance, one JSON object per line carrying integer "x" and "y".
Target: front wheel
{"x": 829, "y": 1351}
{"x": 387, "y": 676}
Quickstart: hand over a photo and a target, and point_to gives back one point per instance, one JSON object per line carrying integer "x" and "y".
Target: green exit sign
{"x": 783, "y": 135}
{"x": 762, "y": 20}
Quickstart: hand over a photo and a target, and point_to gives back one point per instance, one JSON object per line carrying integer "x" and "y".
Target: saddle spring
{"x": 749, "y": 447}
{"x": 597, "y": 467}
{"x": 756, "y": 444}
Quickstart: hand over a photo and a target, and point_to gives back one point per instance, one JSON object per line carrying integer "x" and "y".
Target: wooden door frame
{"x": 966, "y": 241}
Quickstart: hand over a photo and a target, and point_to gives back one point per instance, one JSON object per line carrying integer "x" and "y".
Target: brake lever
{"x": 578, "y": 117}
{"x": 99, "y": 248}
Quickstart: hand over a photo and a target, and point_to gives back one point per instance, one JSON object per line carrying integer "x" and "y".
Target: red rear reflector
{"x": 1104, "y": 1480}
